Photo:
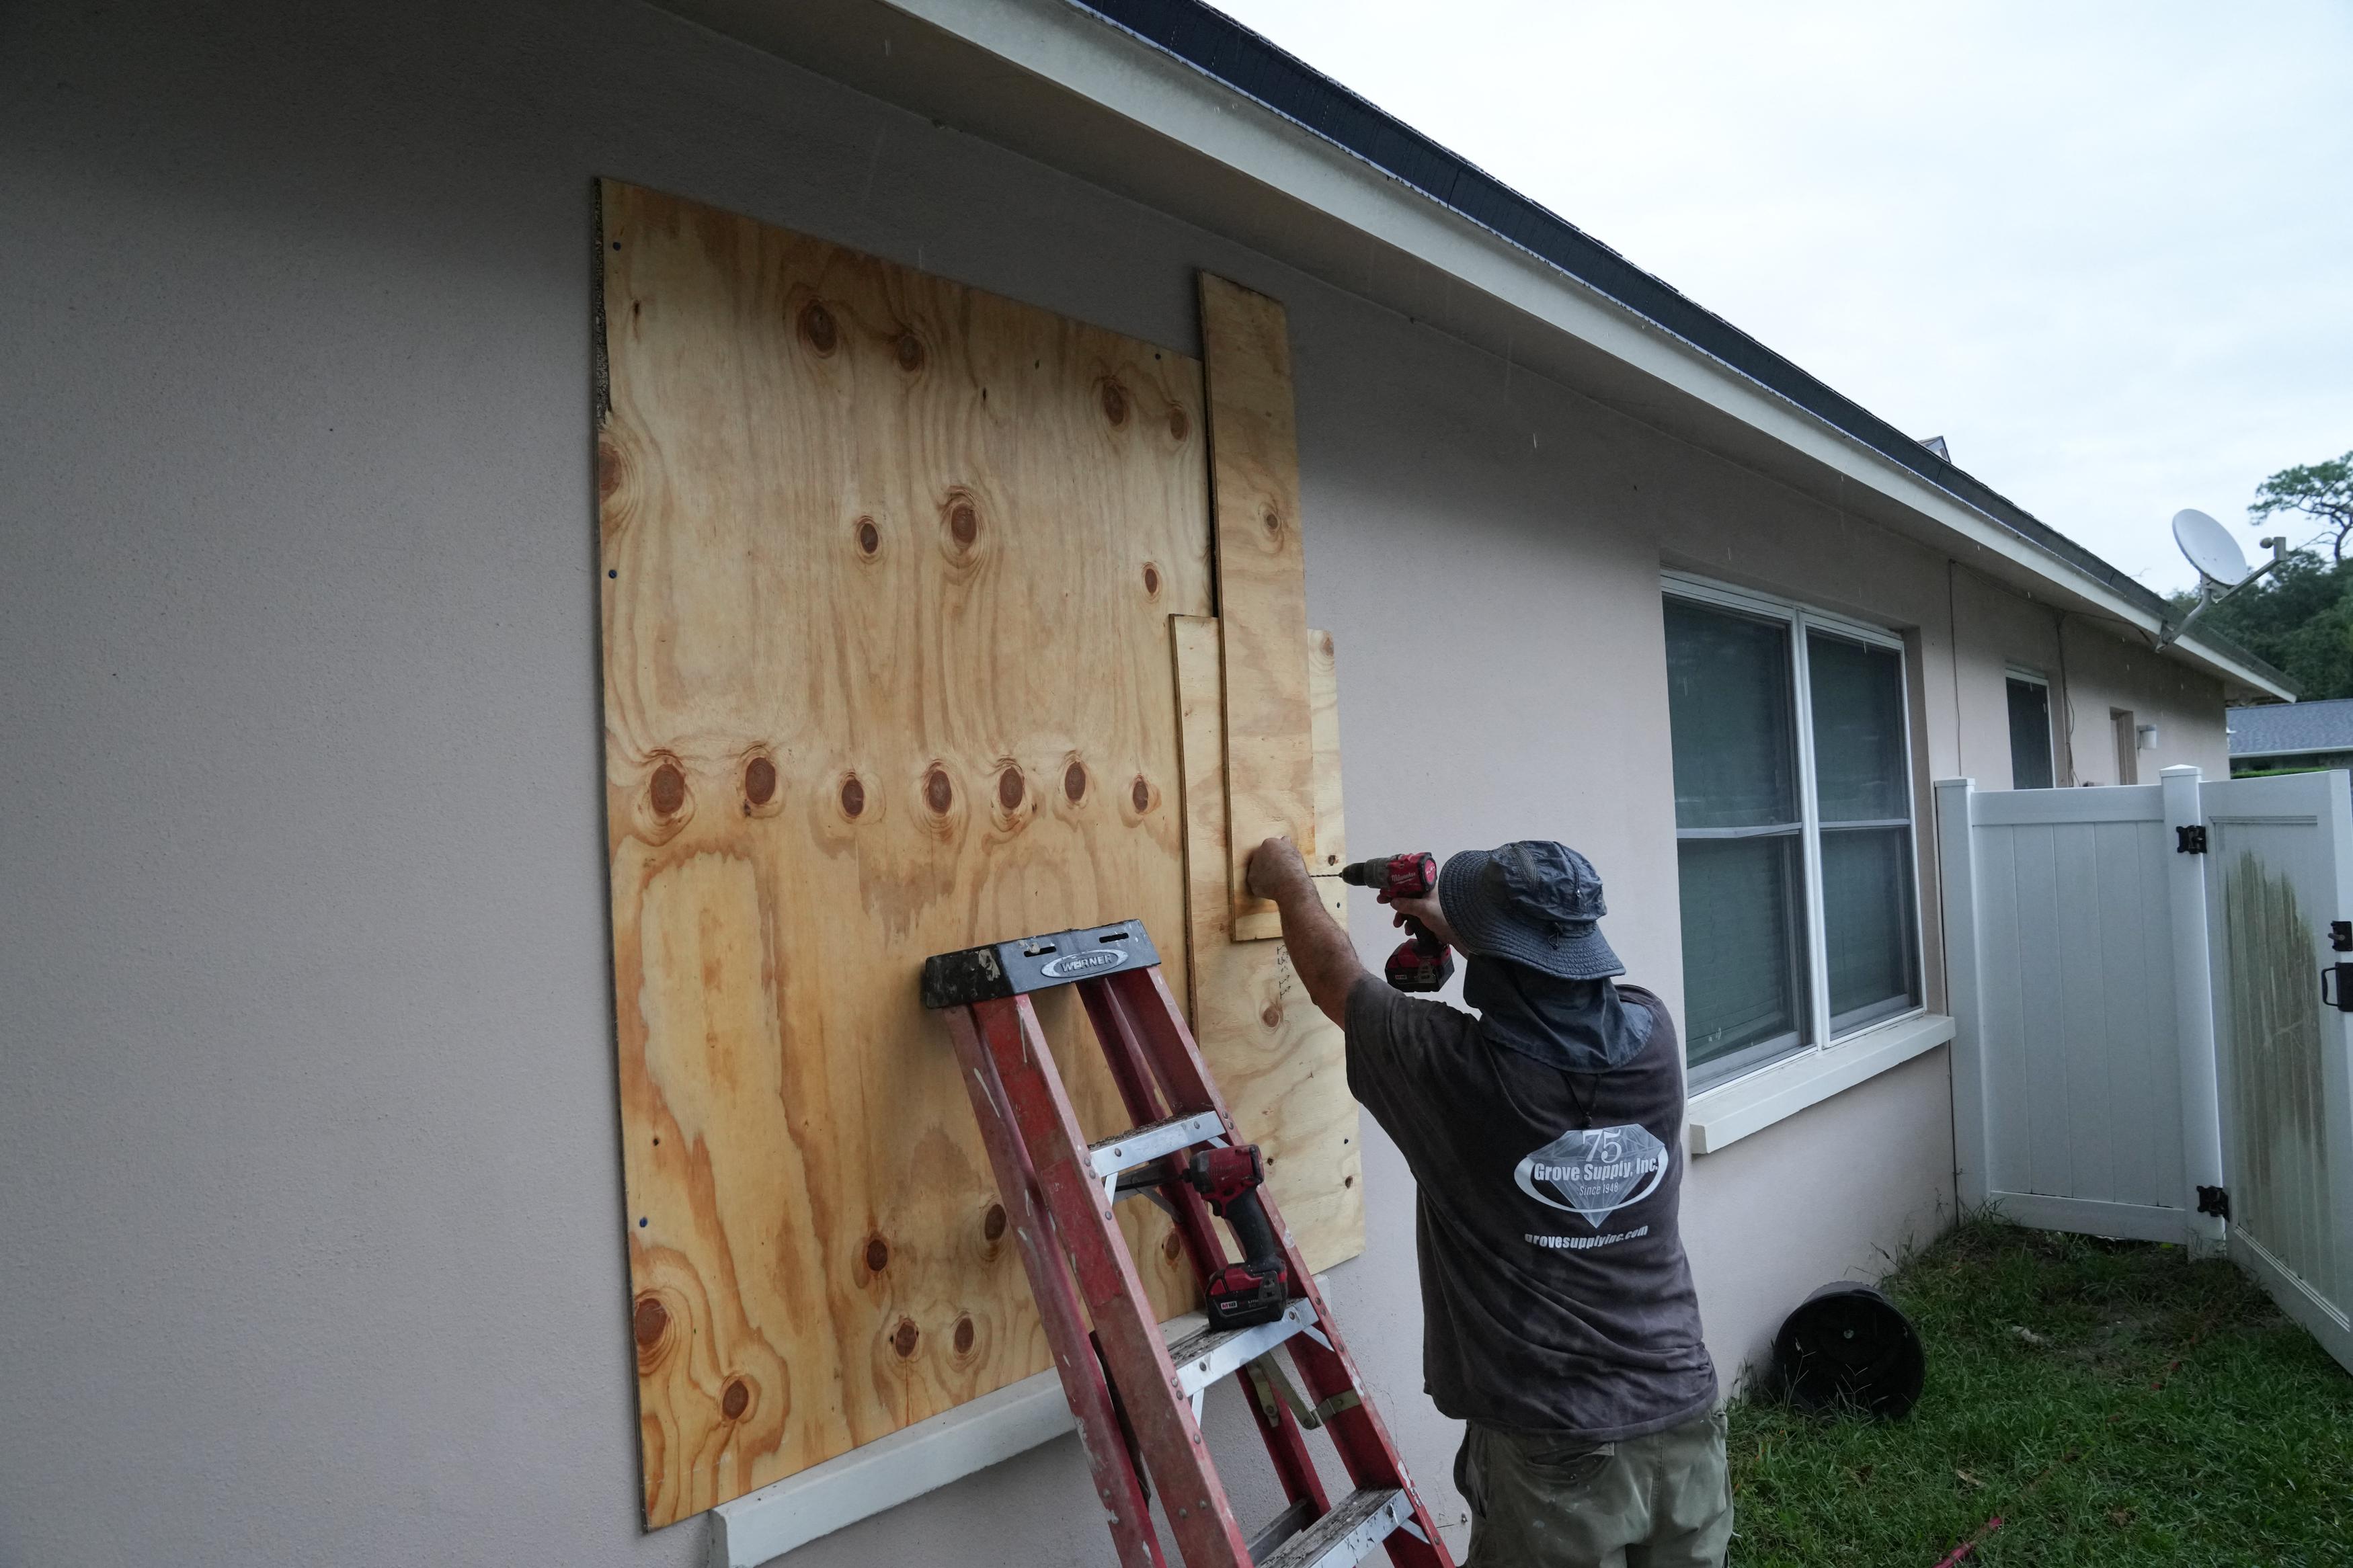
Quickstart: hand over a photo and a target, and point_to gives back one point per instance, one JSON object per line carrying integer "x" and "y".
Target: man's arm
{"x": 1320, "y": 950}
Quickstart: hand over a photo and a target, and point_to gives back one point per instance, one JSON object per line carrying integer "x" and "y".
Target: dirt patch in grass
{"x": 2111, "y": 1402}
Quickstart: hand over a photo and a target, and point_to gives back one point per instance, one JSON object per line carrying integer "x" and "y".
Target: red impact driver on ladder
{"x": 1256, "y": 1289}
{"x": 1421, "y": 961}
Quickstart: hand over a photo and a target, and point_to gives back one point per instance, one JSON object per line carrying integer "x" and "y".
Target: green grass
{"x": 2154, "y": 1411}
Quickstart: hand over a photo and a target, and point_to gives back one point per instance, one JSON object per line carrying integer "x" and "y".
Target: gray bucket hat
{"x": 1531, "y": 901}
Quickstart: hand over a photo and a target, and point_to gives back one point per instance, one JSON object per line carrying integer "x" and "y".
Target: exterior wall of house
{"x": 307, "y": 1111}
{"x": 2093, "y": 671}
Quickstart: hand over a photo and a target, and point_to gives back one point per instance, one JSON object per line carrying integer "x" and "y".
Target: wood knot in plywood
{"x": 961, "y": 528}
{"x": 735, "y": 1399}
{"x": 612, "y": 467}
{"x": 1114, "y": 403}
{"x": 1010, "y": 787}
{"x": 1179, "y": 426}
{"x": 910, "y": 352}
{"x": 666, "y": 790}
{"x": 1151, "y": 580}
{"x": 817, "y": 330}
{"x": 878, "y": 1255}
{"x": 965, "y": 1334}
{"x": 649, "y": 1322}
{"x": 939, "y": 791}
{"x": 1140, "y": 795}
{"x": 992, "y": 1224}
{"x": 853, "y": 798}
{"x": 869, "y": 536}
{"x": 905, "y": 1338}
{"x": 1074, "y": 782}
{"x": 759, "y": 781}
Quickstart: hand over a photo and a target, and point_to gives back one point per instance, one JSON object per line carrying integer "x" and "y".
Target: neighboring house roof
{"x": 2291, "y": 729}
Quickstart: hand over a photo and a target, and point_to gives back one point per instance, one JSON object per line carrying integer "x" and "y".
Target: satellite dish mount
{"x": 2222, "y": 565}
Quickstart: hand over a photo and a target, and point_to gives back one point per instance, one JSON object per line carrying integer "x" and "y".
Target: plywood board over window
{"x": 887, "y": 568}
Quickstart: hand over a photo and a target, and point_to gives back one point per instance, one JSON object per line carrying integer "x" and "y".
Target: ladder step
{"x": 1282, "y": 1528}
{"x": 1342, "y": 1538}
{"x": 1141, "y": 1145}
{"x": 1204, "y": 1356}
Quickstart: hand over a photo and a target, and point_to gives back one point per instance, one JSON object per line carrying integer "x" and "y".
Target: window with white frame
{"x": 1793, "y": 823}
{"x": 2030, "y": 729}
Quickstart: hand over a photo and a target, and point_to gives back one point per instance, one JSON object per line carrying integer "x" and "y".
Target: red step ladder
{"x": 1136, "y": 1396}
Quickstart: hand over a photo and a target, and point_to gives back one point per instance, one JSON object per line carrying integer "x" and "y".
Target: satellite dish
{"x": 2210, "y": 547}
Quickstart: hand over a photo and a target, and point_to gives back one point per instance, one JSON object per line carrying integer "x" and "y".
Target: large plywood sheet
{"x": 1262, "y": 585}
{"x": 887, "y": 564}
{"x": 1280, "y": 1061}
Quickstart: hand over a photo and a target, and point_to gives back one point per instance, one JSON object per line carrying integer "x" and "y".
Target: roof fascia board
{"x": 1097, "y": 61}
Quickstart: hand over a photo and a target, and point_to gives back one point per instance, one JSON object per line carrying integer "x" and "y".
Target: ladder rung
{"x": 1208, "y": 1355}
{"x": 1140, "y": 1145}
{"x": 1361, "y": 1521}
{"x": 1282, "y": 1528}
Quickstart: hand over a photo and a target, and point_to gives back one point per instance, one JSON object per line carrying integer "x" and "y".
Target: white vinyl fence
{"x": 2084, "y": 1079}
{"x": 2152, "y": 995}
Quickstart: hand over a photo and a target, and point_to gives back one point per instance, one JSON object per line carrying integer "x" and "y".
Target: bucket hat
{"x": 1531, "y": 901}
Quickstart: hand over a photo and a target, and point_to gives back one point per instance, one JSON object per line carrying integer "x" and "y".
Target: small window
{"x": 1793, "y": 821}
{"x": 2030, "y": 733}
{"x": 2128, "y": 745}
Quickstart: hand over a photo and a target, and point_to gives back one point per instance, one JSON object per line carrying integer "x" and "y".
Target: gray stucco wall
{"x": 307, "y": 1118}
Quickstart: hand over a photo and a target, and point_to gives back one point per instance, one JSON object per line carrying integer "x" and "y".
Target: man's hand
{"x": 1276, "y": 869}
{"x": 1320, "y": 951}
{"x": 1433, "y": 915}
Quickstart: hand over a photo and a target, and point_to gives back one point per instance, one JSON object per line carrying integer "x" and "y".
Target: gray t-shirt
{"x": 1555, "y": 1296}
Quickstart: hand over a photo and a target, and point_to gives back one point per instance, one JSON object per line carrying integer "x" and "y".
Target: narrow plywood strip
{"x": 1280, "y": 1063}
{"x": 1331, "y": 823}
{"x": 886, "y": 568}
{"x": 1262, "y": 581}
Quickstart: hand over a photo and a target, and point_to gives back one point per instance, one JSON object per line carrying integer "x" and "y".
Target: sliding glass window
{"x": 1793, "y": 817}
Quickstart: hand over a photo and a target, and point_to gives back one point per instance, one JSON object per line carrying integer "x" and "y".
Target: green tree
{"x": 2322, "y": 491}
{"x": 2298, "y": 620}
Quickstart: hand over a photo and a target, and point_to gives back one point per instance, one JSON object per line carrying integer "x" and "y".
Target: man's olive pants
{"x": 1660, "y": 1502}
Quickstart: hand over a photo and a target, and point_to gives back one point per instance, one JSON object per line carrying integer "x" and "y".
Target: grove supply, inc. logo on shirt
{"x": 1595, "y": 1171}
{"x": 1077, "y": 963}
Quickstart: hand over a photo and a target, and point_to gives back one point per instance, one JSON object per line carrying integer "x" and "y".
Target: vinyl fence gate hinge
{"x": 2215, "y": 1201}
{"x": 2189, "y": 840}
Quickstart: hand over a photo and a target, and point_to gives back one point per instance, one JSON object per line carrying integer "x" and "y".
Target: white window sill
{"x": 1726, "y": 1114}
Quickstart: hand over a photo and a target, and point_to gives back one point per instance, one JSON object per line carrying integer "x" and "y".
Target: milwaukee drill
{"x": 1256, "y": 1289}
{"x": 1421, "y": 961}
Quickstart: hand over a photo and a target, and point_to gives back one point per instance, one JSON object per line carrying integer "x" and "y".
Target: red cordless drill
{"x": 1421, "y": 961}
{"x": 1256, "y": 1289}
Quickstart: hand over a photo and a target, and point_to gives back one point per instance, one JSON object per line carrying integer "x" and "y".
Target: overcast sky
{"x": 2105, "y": 250}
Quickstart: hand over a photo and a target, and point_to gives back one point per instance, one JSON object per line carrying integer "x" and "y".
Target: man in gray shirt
{"x": 1546, "y": 1139}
